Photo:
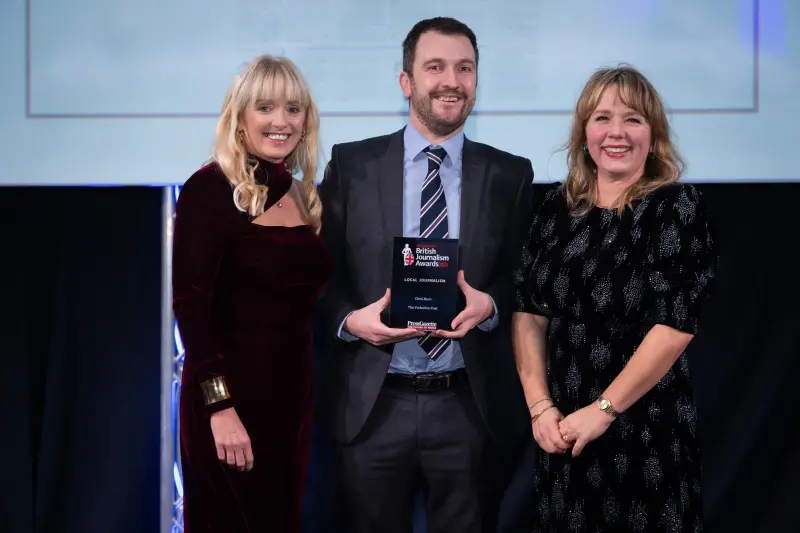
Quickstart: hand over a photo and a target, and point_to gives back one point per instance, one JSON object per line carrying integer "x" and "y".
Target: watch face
{"x": 604, "y": 404}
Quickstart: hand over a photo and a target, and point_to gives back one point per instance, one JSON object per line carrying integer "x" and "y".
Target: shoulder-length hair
{"x": 268, "y": 77}
{"x": 664, "y": 165}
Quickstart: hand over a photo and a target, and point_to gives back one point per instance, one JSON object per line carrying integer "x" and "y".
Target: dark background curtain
{"x": 80, "y": 361}
{"x": 80, "y": 278}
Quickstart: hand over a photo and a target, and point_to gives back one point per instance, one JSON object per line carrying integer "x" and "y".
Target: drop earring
{"x": 303, "y": 137}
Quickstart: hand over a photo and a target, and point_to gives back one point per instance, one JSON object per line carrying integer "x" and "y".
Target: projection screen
{"x": 123, "y": 92}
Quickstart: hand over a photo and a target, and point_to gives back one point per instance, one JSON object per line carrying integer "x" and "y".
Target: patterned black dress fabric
{"x": 604, "y": 281}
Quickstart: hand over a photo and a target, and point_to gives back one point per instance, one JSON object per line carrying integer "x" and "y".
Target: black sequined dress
{"x": 604, "y": 281}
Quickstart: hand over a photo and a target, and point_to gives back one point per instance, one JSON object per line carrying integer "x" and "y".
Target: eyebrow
{"x": 609, "y": 112}
{"x": 442, "y": 60}
{"x": 272, "y": 101}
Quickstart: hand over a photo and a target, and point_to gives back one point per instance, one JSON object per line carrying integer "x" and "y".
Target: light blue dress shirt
{"x": 408, "y": 357}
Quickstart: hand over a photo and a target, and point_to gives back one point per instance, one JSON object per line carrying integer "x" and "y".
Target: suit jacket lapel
{"x": 388, "y": 170}
{"x": 473, "y": 191}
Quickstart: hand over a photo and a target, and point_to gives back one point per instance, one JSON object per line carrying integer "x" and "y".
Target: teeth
{"x": 617, "y": 150}
{"x": 448, "y": 98}
{"x": 277, "y": 137}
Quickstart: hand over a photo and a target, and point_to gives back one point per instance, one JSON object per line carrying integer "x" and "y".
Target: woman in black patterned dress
{"x": 619, "y": 260}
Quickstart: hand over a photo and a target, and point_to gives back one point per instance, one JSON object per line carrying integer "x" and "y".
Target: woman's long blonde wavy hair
{"x": 664, "y": 165}
{"x": 268, "y": 77}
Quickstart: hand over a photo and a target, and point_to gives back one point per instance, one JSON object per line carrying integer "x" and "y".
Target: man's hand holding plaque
{"x": 479, "y": 307}
{"x": 365, "y": 323}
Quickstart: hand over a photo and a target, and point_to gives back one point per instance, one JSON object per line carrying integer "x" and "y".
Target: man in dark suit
{"x": 415, "y": 411}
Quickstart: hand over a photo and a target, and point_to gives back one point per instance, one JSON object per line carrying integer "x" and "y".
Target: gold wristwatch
{"x": 605, "y": 405}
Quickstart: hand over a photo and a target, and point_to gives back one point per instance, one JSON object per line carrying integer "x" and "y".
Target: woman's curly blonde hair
{"x": 268, "y": 77}
{"x": 663, "y": 166}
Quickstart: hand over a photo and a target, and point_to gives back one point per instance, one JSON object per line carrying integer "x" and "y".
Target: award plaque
{"x": 424, "y": 283}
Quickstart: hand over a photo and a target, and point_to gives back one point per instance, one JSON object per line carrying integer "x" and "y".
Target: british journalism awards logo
{"x": 426, "y": 256}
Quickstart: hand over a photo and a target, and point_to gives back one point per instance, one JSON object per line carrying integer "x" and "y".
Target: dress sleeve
{"x": 201, "y": 235}
{"x": 524, "y": 276}
{"x": 682, "y": 260}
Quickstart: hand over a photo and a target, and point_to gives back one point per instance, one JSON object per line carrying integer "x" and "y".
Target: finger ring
{"x": 564, "y": 436}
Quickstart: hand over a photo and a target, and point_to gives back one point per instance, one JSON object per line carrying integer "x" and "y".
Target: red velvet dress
{"x": 243, "y": 296}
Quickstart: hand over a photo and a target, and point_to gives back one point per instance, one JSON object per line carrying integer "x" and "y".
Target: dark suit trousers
{"x": 433, "y": 441}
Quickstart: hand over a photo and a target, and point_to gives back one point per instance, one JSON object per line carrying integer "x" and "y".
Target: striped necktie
{"x": 433, "y": 225}
{"x": 433, "y": 210}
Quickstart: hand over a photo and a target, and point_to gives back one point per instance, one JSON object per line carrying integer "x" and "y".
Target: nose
{"x": 449, "y": 79}
{"x": 280, "y": 118}
{"x": 616, "y": 127}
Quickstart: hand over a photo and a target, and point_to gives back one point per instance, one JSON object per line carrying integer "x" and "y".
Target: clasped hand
{"x": 556, "y": 433}
{"x": 365, "y": 323}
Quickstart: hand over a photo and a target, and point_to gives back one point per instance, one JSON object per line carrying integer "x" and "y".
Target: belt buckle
{"x": 429, "y": 379}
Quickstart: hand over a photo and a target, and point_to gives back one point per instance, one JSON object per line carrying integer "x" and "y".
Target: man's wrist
{"x": 344, "y": 332}
{"x": 490, "y": 310}
{"x": 489, "y": 321}
{"x": 346, "y": 324}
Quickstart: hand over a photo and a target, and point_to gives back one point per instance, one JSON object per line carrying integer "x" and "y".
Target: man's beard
{"x": 438, "y": 124}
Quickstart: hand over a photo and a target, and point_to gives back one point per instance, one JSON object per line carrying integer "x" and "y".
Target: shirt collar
{"x": 414, "y": 143}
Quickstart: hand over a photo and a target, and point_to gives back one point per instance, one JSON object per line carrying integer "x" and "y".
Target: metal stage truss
{"x": 172, "y": 355}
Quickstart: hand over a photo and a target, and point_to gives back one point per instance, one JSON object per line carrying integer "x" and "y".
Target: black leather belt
{"x": 428, "y": 382}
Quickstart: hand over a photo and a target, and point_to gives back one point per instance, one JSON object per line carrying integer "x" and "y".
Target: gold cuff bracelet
{"x": 215, "y": 390}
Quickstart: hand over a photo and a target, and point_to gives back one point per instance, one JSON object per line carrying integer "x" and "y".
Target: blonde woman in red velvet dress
{"x": 247, "y": 268}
